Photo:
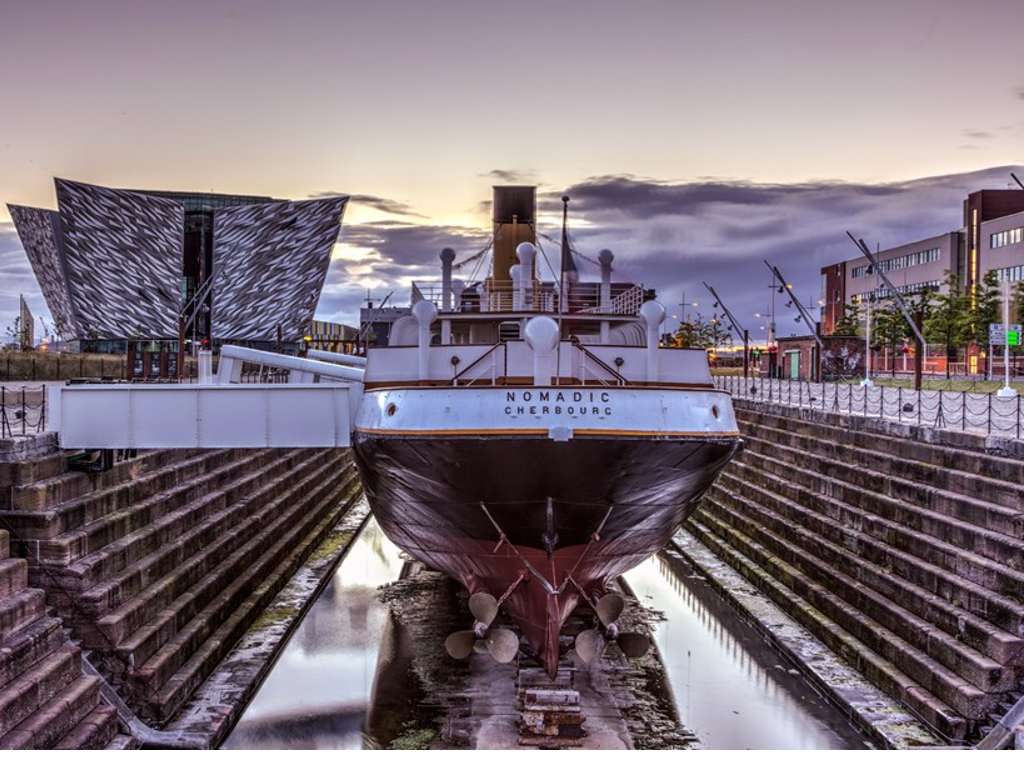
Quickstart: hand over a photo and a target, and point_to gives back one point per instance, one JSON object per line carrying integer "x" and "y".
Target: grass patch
{"x": 974, "y": 386}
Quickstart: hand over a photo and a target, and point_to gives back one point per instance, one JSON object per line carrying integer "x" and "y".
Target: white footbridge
{"x": 316, "y": 408}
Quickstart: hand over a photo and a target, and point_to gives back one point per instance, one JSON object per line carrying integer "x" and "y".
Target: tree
{"x": 947, "y": 324}
{"x": 983, "y": 305}
{"x": 849, "y": 323}
{"x": 701, "y": 334}
{"x": 888, "y": 331}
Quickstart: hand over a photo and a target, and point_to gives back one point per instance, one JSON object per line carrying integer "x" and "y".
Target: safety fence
{"x": 22, "y": 411}
{"x": 973, "y": 412}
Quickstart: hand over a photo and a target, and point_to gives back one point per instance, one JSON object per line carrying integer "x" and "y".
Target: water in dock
{"x": 730, "y": 686}
{"x": 317, "y": 695}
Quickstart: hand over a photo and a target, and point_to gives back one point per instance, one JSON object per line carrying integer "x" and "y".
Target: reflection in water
{"x": 731, "y": 687}
{"x": 318, "y": 692}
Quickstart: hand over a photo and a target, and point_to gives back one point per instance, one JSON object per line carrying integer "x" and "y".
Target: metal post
{"x": 746, "y": 354}
{"x": 918, "y": 351}
{"x": 867, "y": 349}
{"x": 1007, "y": 390}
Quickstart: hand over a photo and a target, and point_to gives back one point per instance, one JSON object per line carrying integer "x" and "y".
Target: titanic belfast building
{"x": 120, "y": 268}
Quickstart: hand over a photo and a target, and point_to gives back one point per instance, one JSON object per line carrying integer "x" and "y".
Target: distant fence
{"x": 60, "y": 366}
{"x": 974, "y": 412}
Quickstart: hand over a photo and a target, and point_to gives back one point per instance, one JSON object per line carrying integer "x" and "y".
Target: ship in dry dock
{"x": 531, "y": 438}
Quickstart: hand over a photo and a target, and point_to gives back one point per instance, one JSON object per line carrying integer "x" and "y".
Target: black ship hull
{"x": 542, "y": 519}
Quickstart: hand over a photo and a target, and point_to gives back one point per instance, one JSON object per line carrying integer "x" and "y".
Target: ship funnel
{"x": 514, "y": 215}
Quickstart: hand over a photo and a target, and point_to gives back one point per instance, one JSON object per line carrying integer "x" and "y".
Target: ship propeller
{"x": 459, "y": 644}
{"x": 501, "y": 643}
{"x": 484, "y": 607}
{"x": 590, "y": 643}
{"x": 609, "y": 608}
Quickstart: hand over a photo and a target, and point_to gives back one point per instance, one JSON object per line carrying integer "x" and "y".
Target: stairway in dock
{"x": 158, "y": 565}
{"x": 46, "y": 701}
{"x": 905, "y": 557}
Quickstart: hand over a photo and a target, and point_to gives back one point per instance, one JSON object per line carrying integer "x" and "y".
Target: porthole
{"x": 714, "y": 411}
{"x": 391, "y": 409}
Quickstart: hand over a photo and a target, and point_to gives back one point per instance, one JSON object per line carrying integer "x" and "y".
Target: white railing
{"x": 499, "y": 296}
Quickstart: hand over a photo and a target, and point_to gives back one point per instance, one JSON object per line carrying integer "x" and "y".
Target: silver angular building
{"x": 118, "y": 266}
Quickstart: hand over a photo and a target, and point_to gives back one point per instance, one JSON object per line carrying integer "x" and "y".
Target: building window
{"x": 884, "y": 292}
{"x": 1011, "y": 273}
{"x": 898, "y": 263}
{"x": 1006, "y": 237}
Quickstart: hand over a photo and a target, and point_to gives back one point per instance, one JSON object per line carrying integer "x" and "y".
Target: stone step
{"x": 863, "y": 559}
{"x": 19, "y": 610}
{"x": 46, "y": 523}
{"x": 97, "y": 730}
{"x": 162, "y": 646}
{"x": 161, "y": 604}
{"x": 941, "y": 490}
{"x": 290, "y": 555}
{"x": 13, "y": 576}
{"x": 993, "y": 560}
{"x": 26, "y": 647}
{"x": 795, "y": 546}
{"x": 936, "y": 513}
{"x": 32, "y": 469}
{"x": 56, "y": 718}
{"x": 938, "y": 715}
{"x": 965, "y": 698}
{"x": 31, "y": 690}
{"x": 107, "y": 587}
{"x": 98, "y": 538}
{"x": 122, "y": 742}
{"x": 946, "y": 571}
{"x": 69, "y": 484}
{"x": 837, "y": 428}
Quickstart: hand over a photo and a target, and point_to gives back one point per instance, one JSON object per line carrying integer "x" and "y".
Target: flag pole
{"x": 563, "y": 295}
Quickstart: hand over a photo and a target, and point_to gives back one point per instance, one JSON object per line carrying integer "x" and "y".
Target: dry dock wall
{"x": 157, "y": 566}
{"x": 901, "y": 548}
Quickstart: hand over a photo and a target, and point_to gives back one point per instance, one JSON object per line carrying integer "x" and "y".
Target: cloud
{"x": 978, "y": 135}
{"x": 510, "y": 176}
{"x": 674, "y": 236}
{"x": 669, "y": 235}
{"x": 383, "y": 204}
{"x": 1019, "y": 92}
{"x": 16, "y": 278}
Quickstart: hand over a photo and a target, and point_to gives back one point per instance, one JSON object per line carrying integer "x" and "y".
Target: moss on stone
{"x": 274, "y": 616}
{"x": 417, "y": 739}
{"x": 332, "y": 544}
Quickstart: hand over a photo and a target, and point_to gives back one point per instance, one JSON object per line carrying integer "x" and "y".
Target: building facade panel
{"x": 122, "y": 254}
{"x": 833, "y": 293}
{"x": 909, "y": 267}
{"x": 270, "y": 262}
{"x": 39, "y": 232}
{"x": 1001, "y": 242}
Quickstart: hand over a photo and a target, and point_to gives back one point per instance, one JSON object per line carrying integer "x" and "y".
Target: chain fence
{"x": 972, "y": 412}
{"x": 22, "y": 411}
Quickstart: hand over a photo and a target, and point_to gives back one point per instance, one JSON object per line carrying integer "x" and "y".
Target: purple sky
{"x": 695, "y": 137}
